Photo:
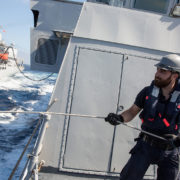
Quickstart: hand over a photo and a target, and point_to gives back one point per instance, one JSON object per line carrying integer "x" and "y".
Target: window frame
{"x": 130, "y": 4}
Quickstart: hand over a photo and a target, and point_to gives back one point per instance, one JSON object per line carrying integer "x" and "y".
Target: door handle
{"x": 120, "y": 108}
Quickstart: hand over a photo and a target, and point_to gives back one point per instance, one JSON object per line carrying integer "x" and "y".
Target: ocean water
{"x": 19, "y": 93}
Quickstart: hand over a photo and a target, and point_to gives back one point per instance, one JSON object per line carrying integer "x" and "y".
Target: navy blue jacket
{"x": 161, "y": 117}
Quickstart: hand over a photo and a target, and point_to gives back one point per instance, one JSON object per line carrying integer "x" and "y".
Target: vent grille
{"x": 47, "y": 51}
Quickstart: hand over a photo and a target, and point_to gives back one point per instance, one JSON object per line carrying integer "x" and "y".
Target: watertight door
{"x": 138, "y": 72}
{"x": 94, "y": 90}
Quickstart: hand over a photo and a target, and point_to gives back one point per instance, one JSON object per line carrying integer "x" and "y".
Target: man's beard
{"x": 162, "y": 83}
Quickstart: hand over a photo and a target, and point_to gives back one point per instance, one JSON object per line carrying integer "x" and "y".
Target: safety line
{"x": 24, "y": 150}
{"x": 37, "y": 80}
{"x": 83, "y": 115}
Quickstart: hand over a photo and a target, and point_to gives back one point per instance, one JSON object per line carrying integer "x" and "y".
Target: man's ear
{"x": 176, "y": 75}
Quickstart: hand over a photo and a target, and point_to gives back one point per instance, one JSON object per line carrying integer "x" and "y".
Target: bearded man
{"x": 159, "y": 107}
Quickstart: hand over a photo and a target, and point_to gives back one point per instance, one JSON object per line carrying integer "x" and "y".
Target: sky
{"x": 16, "y": 19}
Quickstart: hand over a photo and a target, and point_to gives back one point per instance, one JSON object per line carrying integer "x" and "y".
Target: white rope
{"x": 52, "y": 113}
{"x": 83, "y": 115}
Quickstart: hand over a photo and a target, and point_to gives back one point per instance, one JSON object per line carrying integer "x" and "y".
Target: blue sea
{"x": 18, "y": 93}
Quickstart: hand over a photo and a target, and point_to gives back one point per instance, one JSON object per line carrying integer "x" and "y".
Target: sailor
{"x": 159, "y": 107}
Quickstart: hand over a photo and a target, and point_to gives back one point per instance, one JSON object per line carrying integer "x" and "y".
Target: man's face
{"x": 162, "y": 78}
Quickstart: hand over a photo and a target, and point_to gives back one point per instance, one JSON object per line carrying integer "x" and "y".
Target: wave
{"x": 19, "y": 93}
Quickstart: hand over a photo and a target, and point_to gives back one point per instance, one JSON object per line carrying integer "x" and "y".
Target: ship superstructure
{"x": 105, "y": 53}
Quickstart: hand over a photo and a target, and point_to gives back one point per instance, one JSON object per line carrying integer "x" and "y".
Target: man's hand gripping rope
{"x": 115, "y": 119}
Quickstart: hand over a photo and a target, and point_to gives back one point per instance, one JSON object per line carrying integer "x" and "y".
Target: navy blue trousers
{"x": 142, "y": 155}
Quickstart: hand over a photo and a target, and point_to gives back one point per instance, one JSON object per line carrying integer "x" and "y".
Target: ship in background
{"x": 9, "y": 63}
{"x": 104, "y": 51}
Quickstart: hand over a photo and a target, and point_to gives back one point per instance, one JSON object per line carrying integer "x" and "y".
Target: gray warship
{"x": 104, "y": 52}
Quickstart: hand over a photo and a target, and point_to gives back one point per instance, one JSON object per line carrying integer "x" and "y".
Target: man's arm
{"x": 126, "y": 116}
{"x": 130, "y": 113}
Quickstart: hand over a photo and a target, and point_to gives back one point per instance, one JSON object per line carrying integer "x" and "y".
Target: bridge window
{"x": 160, "y": 6}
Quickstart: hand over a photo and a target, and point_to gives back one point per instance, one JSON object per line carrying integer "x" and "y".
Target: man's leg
{"x": 168, "y": 167}
{"x": 138, "y": 163}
